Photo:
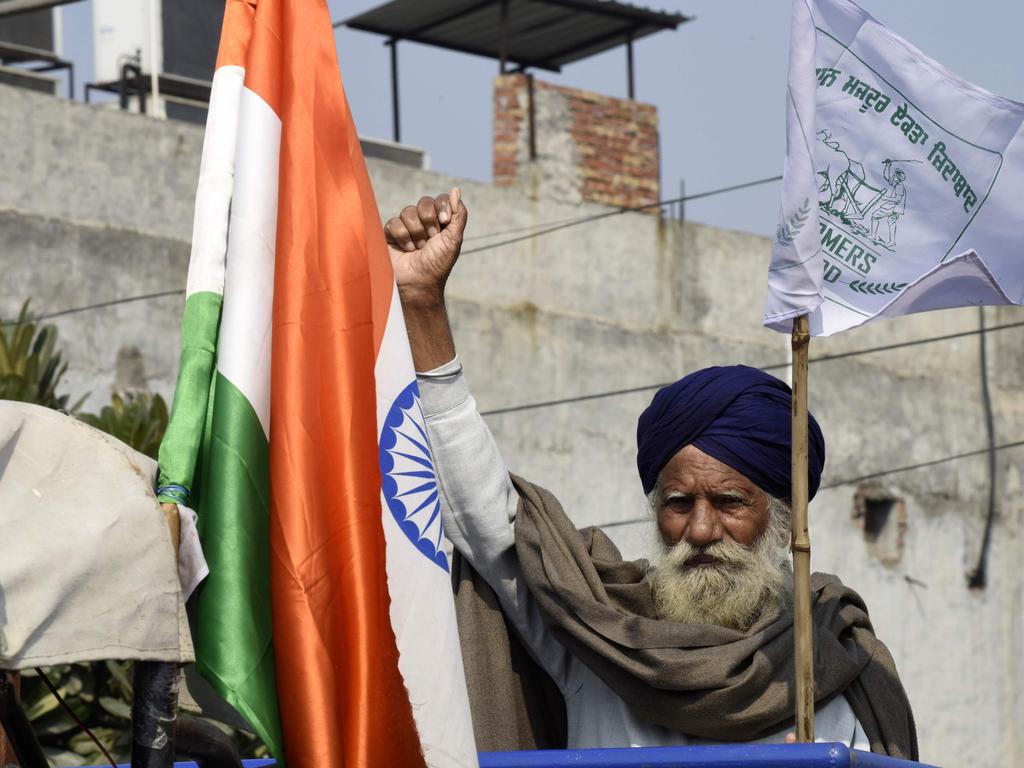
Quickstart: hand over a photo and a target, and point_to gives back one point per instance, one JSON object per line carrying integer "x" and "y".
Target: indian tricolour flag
{"x": 903, "y": 183}
{"x": 327, "y": 619}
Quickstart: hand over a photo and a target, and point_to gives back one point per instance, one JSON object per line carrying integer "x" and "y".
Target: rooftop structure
{"x": 539, "y": 34}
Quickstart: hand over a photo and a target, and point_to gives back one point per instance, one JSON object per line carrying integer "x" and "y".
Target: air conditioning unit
{"x": 179, "y": 44}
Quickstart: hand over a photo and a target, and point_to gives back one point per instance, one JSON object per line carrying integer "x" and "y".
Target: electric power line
{"x": 593, "y": 395}
{"x": 921, "y": 465}
{"x": 618, "y": 212}
{"x": 774, "y": 367}
{"x": 554, "y": 227}
{"x": 871, "y": 475}
{"x": 564, "y": 223}
{"x": 100, "y": 305}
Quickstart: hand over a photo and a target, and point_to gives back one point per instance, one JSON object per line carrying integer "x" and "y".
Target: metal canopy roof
{"x": 544, "y": 34}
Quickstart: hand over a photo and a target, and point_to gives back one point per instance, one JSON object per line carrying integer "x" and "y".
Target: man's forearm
{"x": 430, "y": 334}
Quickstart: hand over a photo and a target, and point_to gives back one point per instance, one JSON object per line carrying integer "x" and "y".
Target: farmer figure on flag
{"x": 892, "y": 203}
{"x": 628, "y": 655}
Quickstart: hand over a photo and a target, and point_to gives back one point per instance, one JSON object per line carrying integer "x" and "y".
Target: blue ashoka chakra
{"x": 408, "y": 478}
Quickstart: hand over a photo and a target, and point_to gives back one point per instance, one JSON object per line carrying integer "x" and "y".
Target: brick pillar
{"x": 590, "y": 148}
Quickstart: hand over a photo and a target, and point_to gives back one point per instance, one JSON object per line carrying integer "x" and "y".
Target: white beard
{"x": 745, "y": 583}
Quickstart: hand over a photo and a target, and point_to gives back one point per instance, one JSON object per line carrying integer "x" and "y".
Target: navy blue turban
{"x": 736, "y": 414}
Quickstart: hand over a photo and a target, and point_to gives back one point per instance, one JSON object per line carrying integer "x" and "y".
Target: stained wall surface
{"x": 96, "y": 208}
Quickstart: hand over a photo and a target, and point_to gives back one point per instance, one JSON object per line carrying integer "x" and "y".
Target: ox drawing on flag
{"x": 902, "y": 184}
{"x": 327, "y": 619}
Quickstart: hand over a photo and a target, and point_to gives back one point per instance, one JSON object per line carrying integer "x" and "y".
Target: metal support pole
{"x": 154, "y": 65}
{"x": 801, "y": 542}
{"x": 503, "y": 36}
{"x": 533, "y": 119}
{"x": 154, "y": 713}
{"x": 396, "y": 130}
{"x": 629, "y": 67}
{"x": 140, "y": 86}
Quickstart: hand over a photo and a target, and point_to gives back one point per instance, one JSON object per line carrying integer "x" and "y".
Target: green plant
{"x": 136, "y": 419}
{"x": 31, "y": 366}
{"x": 99, "y": 694}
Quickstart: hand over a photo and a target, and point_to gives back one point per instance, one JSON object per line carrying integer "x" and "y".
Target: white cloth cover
{"x": 902, "y": 183}
{"x": 87, "y": 570}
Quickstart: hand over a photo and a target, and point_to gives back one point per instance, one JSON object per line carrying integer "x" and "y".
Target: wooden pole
{"x": 7, "y": 757}
{"x": 801, "y": 542}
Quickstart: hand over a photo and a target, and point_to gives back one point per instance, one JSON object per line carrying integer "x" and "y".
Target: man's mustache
{"x": 684, "y": 555}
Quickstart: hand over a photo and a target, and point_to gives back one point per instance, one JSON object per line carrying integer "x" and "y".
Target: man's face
{"x": 703, "y": 501}
{"x": 725, "y": 559}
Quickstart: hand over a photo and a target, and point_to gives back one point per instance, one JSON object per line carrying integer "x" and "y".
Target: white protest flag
{"x": 903, "y": 184}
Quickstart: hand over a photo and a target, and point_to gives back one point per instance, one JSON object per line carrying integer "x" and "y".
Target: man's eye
{"x": 679, "y": 504}
{"x": 731, "y": 503}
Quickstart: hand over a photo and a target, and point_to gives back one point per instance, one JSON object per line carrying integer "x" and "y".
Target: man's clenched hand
{"x": 424, "y": 241}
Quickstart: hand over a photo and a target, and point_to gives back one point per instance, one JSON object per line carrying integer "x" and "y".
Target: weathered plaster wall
{"x": 96, "y": 206}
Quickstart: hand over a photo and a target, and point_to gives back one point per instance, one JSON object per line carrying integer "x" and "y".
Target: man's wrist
{"x": 421, "y": 298}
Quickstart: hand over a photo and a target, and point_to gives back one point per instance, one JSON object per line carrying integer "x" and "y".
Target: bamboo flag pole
{"x": 801, "y": 542}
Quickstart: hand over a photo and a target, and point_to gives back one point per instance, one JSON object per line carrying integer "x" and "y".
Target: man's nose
{"x": 703, "y": 527}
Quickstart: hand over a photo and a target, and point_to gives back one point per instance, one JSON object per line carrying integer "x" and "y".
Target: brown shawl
{"x": 705, "y": 681}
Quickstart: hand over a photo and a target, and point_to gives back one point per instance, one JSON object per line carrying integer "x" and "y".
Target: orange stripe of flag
{"x": 237, "y": 28}
{"x": 343, "y": 702}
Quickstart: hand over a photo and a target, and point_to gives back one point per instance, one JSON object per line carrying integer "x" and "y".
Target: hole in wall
{"x": 881, "y": 514}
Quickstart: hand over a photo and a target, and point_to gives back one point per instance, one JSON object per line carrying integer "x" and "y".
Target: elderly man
{"x": 698, "y": 650}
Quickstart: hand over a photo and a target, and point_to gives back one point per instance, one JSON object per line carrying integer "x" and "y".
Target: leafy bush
{"x": 136, "y": 419}
{"x": 99, "y": 694}
{"x": 31, "y": 366}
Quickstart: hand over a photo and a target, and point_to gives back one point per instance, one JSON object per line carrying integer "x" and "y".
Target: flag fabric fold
{"x": 901, "y": 180}
{"x": 327, "y": 619}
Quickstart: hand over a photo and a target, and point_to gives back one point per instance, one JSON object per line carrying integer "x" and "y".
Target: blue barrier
{"x": 719, "y": 756}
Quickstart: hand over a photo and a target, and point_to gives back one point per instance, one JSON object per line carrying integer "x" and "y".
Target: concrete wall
{"x": 96, "y": 206}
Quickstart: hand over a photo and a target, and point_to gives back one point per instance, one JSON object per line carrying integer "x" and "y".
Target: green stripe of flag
{"x": 179, "y": 450}
{"x": 234, "y": 649}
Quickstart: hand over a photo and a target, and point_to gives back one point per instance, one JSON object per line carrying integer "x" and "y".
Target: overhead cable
{"x": 100, "y": 305}
{"x": 870, "y": 475}
{"x": 618, "y": 212}
{"x": 774, "y": 367}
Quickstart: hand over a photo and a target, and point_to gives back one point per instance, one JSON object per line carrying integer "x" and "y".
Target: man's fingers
{"x": 459, "y": 213}
{"x": 411, "y": 218}
{"x": 396, "y": 234}
{"x": 410, "y": 230}
{"x": 427, "y": 210}
{"x": 444, "y": 209}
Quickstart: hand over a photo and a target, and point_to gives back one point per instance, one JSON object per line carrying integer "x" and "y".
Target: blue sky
{"x": 718, "y": 83}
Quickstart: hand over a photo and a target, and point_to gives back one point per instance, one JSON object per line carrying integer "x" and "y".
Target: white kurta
{"x": 478, "y": 504}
